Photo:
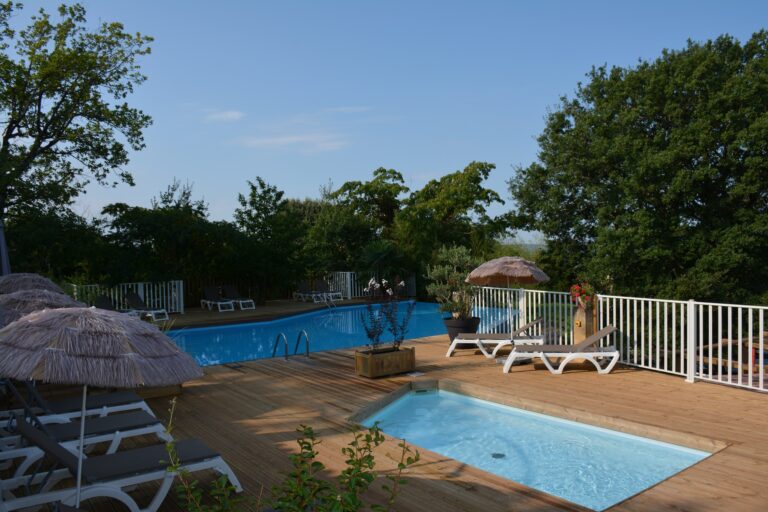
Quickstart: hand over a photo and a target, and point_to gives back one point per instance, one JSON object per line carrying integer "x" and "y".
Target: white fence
{"x": 506, "y": 309}
{"x": 168, "y": 295}
{"x": 723, "y": 343}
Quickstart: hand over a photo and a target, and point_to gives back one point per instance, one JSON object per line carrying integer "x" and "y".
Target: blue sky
{"x": 301, "y": 93}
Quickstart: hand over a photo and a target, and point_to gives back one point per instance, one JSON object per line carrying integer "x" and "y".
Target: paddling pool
{"x": 591, "y": 466}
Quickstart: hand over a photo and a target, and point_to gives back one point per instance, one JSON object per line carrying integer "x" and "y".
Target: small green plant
{"x": 219, "y": 496}
{"x": 303, "y": 490}
{"x": 449, "y": 286}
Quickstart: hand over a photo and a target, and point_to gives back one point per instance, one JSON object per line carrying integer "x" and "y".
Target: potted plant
{"x": 451, "y": 290}
{"x": 382, "y": 315}
{"x": 583, "y": 295}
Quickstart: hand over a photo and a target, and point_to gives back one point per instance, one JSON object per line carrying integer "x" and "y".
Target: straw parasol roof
{"x": 17, "y": 304}
{"x": 507, "y": 270}
{"x": 93, "y": 347}
{"x": 23, "y": 281}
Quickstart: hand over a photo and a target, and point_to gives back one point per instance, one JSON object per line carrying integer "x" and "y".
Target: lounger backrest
{"x": 104, "y": 302}
{"x": 520, "y": 330}
{"x": 322, "y": 285}
{"x": 585, "y": 345}
{"x": 211, "y": 293}
{"x": 45, "y": 443}
{"x": 134, "y": 301}
{"x": 230, "y": 292}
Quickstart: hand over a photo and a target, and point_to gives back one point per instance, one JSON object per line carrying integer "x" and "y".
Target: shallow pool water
{"x": 591, "y": 466}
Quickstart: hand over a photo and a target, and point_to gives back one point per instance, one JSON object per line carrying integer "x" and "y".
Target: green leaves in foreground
{"x": 303, "y": 489}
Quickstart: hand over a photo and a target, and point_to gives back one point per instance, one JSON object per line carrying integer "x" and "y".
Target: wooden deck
{"x": 250, "y": 412}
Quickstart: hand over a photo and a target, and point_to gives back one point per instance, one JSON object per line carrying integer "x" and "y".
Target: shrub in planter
{"x": 451, "y": 290}
{"x": 380, "y": 359}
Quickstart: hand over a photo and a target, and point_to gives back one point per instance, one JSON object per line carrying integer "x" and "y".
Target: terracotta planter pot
{"x": 457, "y": 326}
{"x": 383, "y": 362}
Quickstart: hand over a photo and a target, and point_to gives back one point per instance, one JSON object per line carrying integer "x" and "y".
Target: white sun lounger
{"x": 110, "y": 476}
{"x": 498, "y": 340}
{"x": 587, "y": 350}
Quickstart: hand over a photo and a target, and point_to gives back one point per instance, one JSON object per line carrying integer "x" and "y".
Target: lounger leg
{"x": 223, "y": 468}
{"x": 499, "y": 346}
{"x": 454, "y": 343}
{"x": 607, "y": 369}
{"x": 510, "y": 361}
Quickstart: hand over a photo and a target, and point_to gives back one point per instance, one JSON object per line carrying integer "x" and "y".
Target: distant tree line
{"x": 377, "y": 226}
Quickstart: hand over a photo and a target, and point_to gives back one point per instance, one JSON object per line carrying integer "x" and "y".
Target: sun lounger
{"x": 212, "y": 298}
{"x": 108, "y": 429}
{"x": 65, "y": 409}
{"x": 231, "y": 293}
{"x": 109, "y": 476}
{"x": 104, "y": 302}
{"x": 136, "y": 303}
{"x": 587, "y": 350}
{"x": 498, "y": 340}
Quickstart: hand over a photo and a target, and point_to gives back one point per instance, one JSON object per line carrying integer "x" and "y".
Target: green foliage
{"x": 62, "y": 105}
{"x": 219, "y": 496}
{"x": 651, "y": 180}
{"x": 451, "y": 210}
{"x": 303, "y": 489}
{"x": 448, "y": 280}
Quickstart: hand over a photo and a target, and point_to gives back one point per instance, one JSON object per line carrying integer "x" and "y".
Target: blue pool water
{"x": 328, "y": 329}
{"x": 591, "y": 466}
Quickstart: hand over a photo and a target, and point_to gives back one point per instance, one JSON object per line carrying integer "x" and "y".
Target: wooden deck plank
{"x": 250, "y": 414}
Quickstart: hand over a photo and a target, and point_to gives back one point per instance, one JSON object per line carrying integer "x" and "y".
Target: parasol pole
{"x": 80, "y": 451}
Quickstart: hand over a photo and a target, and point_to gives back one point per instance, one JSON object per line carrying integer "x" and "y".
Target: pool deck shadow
{"x": 250, "y": 412}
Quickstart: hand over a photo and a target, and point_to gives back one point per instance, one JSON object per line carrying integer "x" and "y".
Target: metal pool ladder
{"x": 282, "y": 338}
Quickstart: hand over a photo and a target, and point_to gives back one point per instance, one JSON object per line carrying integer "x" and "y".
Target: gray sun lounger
{"x": 587, "y": 350}
{"x": 110, "y": 476}
{"x": 137, "y": 304}
{"x": 498, "y": 340}
{"x": 231, "y": 293}
{"x": 211, "y": 298}
{"x": 64, "y": 409}
{"x": 108, "y": 429}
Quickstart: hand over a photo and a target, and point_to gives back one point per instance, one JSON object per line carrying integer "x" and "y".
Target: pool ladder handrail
{"x": 302, "y": 334}
{"x": 282, "y": 337}
{"x": 277, "y": 341}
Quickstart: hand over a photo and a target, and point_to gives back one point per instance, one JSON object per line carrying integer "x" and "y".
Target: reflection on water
{"x": 331, "y": 329}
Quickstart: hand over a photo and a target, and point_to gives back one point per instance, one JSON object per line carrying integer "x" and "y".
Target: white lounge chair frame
{"x": 585, "y": 350}
{"x": 116, "y": 489}
{"x": 245, "y": 303}
{"x": 32, "y": 454}
{"x": 221, "y": 305}
{"x": 499, "y": 340}
{"x": 156, "y": 315}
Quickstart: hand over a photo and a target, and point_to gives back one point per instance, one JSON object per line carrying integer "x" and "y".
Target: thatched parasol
{"x": 17, "y": 304}
{"x": 23, "y": 281}
{"x": 506, "y": 271}
{"x": 91, "y": 347}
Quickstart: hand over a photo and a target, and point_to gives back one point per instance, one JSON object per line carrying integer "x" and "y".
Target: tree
{"x": 451, "y": 210}
{"x": 377, "y": 200}
{"x": 275, "y": 229}
{"x": 62, "y": 111}
{"x": 651, "y": 180}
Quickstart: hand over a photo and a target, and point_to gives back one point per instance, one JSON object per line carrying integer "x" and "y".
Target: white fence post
{"x": 521, "y": 306}
{"x": 691, "y": 340}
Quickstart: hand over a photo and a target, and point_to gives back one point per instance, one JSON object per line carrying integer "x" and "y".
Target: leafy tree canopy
{"x": 652, "y": 179}
{"x": 63, "y": 115}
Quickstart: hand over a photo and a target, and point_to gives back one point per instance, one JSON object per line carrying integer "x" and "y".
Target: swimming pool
{"x": 335, "y": 328}
{"x": 591, "y": 466}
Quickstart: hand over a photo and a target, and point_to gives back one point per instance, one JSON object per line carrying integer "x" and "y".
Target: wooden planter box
{"x": 381, "y": 363}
